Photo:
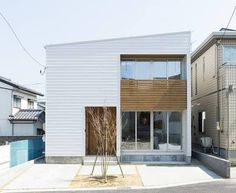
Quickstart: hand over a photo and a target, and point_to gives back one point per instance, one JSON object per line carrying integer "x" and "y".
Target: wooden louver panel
{"x": 169, "y": 95}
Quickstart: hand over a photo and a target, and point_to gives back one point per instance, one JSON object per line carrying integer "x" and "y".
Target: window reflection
{"x": 160, "y": 130}
{"x": 151, "y": 70}
{"x": 174, "y": 69}
{"x": 159, "y": 70}
{"x": 175, "y": 131}
{"x": 128, "y": 130}
{"x": 127, "y": 70}
{"x": 230, "y": 54}
{"x": 143, "y": 130}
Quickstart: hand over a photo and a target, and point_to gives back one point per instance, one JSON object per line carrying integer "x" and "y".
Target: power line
{"x": 20, "y": 43}
{"x": 228, "y": 23}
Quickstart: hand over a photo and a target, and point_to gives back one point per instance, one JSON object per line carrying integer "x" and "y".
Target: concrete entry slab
{"x": 163, "y": 176}
{"x": 45, "y": 176}
{"x": 61, "y": 176}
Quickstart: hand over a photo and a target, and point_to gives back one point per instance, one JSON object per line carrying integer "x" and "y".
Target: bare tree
{"x": 103, "y": 121}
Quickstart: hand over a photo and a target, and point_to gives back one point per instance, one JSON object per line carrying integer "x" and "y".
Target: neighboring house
{"x": 19, "y": 115}
{"x": 213, "y": 92}
{"x": 145, "y": 80}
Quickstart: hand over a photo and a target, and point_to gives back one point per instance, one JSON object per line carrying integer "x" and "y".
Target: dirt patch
{"x": 112, "y": 181}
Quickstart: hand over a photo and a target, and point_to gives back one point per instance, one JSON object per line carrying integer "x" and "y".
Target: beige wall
{"x": 205, "y": 99}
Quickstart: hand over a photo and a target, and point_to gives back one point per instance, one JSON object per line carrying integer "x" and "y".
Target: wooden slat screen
{"x": 161, "y": 95}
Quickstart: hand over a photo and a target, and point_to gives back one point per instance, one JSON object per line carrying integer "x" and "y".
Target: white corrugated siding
{"x": 88, "y": 74}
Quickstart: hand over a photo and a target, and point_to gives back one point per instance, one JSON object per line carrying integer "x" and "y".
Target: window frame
{"x": 28, "y": 103}
{"x": 223, "y": 58}
{"x": 202, "y": 121}
{"x": 151, "y": 64}
{"x": 16, "y": 101}
{"x": 151, "y": 132}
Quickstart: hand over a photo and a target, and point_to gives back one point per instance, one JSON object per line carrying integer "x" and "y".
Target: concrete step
{"x": 89, "y": 160}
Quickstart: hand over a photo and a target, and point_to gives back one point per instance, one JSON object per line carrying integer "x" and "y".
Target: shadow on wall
{"x": 26, "y": 150}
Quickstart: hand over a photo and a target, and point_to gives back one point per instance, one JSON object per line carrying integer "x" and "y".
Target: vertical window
{"x": 159, "y": 70}
{"x": 16, "y": 102}
{"x": 201, "y": 121}
{"x": 143, "y": 130}
{"x": 196, "y": 79}
{"x": 30, "y": 104}
{"x": 143, "y": 70}
{"x": 127, "y": 70}
{"x": 128, "y": 130}
{"x": 175, "y": 131}
{"x": 203, "y": 68}
{"x": 174, "y": 69}
{"x": 160, "y": 130}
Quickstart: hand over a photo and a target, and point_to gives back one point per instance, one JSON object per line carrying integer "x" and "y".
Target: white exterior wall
{"x": 88, "y": 74}
{"x": 24, "y": 130}
{"x": 6, "y": 109}
{"x": 6, "y": 105}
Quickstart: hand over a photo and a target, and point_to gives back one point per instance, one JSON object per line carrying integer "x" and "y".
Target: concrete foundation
{"x": 63, "y": 160}
{"x": 132, "y": 158}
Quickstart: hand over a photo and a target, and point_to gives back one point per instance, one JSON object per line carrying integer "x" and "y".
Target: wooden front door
{"x": 91, "y": 135}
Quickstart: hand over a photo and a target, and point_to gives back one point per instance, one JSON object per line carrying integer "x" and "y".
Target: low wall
{"x": 5, "y": 139}
{"x": 4, "y": 157}
{"x": 25, "y": 150}
{"x": 218, "y": 165}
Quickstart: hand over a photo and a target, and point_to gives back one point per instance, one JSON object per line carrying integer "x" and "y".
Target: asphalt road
{"x": 222, "y": 186}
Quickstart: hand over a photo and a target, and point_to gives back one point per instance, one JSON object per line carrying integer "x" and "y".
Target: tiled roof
{"x": 16, "y": 85}
{"x": 26, "y": 115}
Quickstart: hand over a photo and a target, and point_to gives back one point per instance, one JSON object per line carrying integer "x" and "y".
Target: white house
{"x": 19, "y": 115}
{"x": 145, "y": 80}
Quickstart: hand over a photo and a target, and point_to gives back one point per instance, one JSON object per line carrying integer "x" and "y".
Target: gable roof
{"x": 210, "y": 40}
{"x": 26, "y": 115}
{"x": 18, "y": 86}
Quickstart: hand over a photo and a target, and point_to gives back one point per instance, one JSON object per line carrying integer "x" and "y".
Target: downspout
{"x": 218, "y": 96}
{"x": 228, "y": 154}
{"x": 12, "y": 124}
{"x": 12, "y": 128}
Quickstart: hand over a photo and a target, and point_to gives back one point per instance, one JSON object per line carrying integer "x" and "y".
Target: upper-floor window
{"x": 229, "y": 54}
{"x": 30, "y": 104}
{"x": 196, "y": 79}
{"x": 16, "y": 101}
{"x": 150, "y": 70}
{"x": 203, "y": 68}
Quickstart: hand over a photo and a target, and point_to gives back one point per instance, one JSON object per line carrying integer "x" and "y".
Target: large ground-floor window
{"x": 151, "y": 130}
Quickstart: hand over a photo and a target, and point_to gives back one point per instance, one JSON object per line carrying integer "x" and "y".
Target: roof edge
{"x": 15, "y": 85}
{"x": 112, "y": 39}
{"x": 209, "y": 39}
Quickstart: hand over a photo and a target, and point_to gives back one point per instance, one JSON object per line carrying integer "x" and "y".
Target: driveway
{"x": 43, "y": 176}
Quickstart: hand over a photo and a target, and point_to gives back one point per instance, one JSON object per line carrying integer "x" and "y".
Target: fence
{"x": 25, "y": 150}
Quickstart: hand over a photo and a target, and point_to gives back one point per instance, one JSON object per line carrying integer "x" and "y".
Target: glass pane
{"x": 127, "y": 70}
{"x": 230, "y": 54}
{"x": 143, "y": 130}
{"x": 175, "y": 131}
{"x": 159, "y": 70}
{"x": 160, "y": 130}
{"x": 143, "y": 70}
{"x": 174, "y": 69}
{"x": 128, "y": 130}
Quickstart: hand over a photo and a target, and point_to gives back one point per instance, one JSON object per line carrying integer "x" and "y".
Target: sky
{"x": 42, "y": 22}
